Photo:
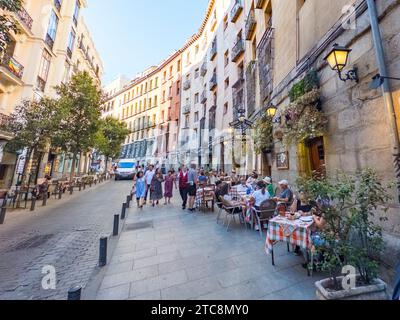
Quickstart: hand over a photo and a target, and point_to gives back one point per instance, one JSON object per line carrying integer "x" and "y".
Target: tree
{"x": 110, "y": 137}
{"x": 31, "y": 125}
{"x": 7, "y": 24}
{"x": 80, "y": 101}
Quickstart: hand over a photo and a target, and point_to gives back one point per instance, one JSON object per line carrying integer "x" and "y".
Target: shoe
{"x": 183, "y": 207}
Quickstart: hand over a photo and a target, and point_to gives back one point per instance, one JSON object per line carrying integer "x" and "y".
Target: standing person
{"x": 192, "y": 181}
{"x": 140, "y": 186}
{"x": 183, "y": 185}
{"x": 156, "y": 188}
{"x": 170, "y": 181}
{"x": 149, "y": 175}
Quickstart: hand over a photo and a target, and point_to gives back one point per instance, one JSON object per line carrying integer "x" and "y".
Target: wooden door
{"x": 317, "y": 155}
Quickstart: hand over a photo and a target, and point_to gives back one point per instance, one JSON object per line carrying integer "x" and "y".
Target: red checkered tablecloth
{"x": 296, "y": 232}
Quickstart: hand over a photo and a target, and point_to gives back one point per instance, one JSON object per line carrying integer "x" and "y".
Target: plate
{"x": 307, "y": 219}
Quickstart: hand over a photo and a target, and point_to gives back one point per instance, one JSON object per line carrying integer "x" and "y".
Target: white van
{"x": 126, "y": 169}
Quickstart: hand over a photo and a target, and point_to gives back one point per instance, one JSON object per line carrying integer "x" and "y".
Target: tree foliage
{"x": 7, "y": 24}
{"x": 80, "y": 102}
{"x": 110, "y": 137}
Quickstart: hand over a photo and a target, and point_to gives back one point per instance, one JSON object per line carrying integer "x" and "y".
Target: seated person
{"x": 252, "y": 180}
{"x": 243, "y": 189}
{"x": 260, "y": 196}
{"x": 286, "y": 195}
{"x": 301, "y": 204}
{"x": 202, "y": 179}
{"x": 222, "y": 189}
{"x": 270, "y": 186}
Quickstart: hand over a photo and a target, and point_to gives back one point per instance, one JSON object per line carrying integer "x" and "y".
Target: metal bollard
{"x": 60, "y": 194}
{"x": 116, "y": 225}
{"x": 71, "y": 190}
{"x": 128, "y": 201}
{"x": 33, "y": 204}
{"x": 75, "y": 293}
{"x": 80, "y": 187}
{"x": 123, "y": 212}
{"x": 103, "y": 252}
{"x": 3, "y": 213}
{"x": 44, "y": 199}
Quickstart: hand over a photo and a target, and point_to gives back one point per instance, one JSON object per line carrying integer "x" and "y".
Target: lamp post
{"x": 242, "y": 124}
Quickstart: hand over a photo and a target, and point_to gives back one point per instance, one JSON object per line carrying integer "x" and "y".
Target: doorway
{"x": 316, "y": 149}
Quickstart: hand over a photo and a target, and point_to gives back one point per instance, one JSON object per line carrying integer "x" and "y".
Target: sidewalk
{"x": 170, "y": 254}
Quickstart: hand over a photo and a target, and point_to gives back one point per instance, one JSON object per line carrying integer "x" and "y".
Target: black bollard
{"x": 80, "y": 187}
{"x": 33, "y": 203}
{"x": 128, "y": 201}
{"x": 3, "y": 213}
{"x": 71, "y": 189}
{"x": 74, "y": 293}
{"x": 116, "y": 225}
{"x": 44, "y": 199}
{"x": 60, "y": 194}
{"x": 123, "y": 212}
{"x": 103, "y": 252}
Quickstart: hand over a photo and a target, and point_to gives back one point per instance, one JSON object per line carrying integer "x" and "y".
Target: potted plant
{"x": 263, "y": 134}
{"x": 351, "y": 239}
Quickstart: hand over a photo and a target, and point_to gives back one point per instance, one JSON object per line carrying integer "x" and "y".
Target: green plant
{"x": 309, "y": 83}
{"x": 7, "y": 23}
{"x": 303, "y": 120}
{"x": 263, "y": 134}
{"x": 348, "y": 204}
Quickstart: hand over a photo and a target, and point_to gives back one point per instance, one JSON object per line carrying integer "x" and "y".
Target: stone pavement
{"x": 65, "y": 234}
{"x": 169, "y": 254}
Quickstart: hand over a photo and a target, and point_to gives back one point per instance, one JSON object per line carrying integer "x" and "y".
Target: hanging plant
{"x": 303, "y": 119}
{"x": 263, "y": 134}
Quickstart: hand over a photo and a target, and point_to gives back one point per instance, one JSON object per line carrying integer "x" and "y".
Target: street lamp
{"x": 378, "y": 81}
{"x": 242, "y": 124}
{"x": 337, "y": 59}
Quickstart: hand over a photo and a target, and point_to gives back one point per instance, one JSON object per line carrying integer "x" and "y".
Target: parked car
{"x": 126, "y": 169}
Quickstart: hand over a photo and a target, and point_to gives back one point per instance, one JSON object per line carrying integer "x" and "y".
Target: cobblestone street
{"x": 65, "y": 234}
{"x": 166, "y": 253}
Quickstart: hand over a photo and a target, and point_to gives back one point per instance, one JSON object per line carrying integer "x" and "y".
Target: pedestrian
{"x": 192, "y": 181}
{"x": 183, "y": 185}
{"x": 149, "y": 175}
{"x": 140, "y": 189}
{"x": 156, "y": 188}
{"x": 170, "y": 181}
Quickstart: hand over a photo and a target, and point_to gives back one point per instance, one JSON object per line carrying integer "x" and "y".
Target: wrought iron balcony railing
{"x": 203, "y": 98}
{"x": 24, "y": 16}
{"x": 251, "y": 24}
{"x": 12, "y": 65}
{"x": 236, "y": 11}
{"x": 237, "y": 50}
{"x": 186, "y": 85}
{"x": 203, "y": 69}
{"x": 57, "y": 4}
{"x": 213, "y": 82}
{"x": 186, "y": 109}
{"x": 213, "y": 52}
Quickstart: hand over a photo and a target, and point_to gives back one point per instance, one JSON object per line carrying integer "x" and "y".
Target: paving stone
{"x": 115, "y": 293}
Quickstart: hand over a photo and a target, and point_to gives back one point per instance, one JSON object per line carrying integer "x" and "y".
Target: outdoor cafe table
{"x": 294, "y": 232}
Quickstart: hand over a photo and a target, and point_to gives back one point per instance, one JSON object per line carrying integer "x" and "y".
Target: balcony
{"x": 186, "y": 85}
{"x": 57, "y": 4}
{"x": 49, "y": 41}
{"x": 11, "y": 68}
{"x": 213, "y": 82}
{"x": 237, "y": 50}
{"x": 203, "y": 69}
{"x": 186, "y": 109}
{"x": 213, "y": 52}
{"x": 236, "y": 11}
{"x": 251, "y": 24}
{"x": 203, "y": 98}
{"x": 265, "y": 54}
{"x": 25, "y": 19}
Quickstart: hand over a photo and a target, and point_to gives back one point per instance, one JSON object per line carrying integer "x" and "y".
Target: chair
{"x": 208, "y": 196}
{"x": 264, "y": 214}
{"x": 231, "y": 210}
{"x": 221, "y": 208}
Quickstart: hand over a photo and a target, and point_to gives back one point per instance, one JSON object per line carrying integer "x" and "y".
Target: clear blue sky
{"x": 132, "y": 35}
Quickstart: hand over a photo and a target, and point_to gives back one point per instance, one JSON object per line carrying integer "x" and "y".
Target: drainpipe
{"x": 386, "y": 90}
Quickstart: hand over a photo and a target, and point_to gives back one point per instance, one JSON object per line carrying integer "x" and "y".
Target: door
{"x": 317, "y": 155}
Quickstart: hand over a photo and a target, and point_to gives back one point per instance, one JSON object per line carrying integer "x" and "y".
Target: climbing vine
{"x": 263, "y": 134}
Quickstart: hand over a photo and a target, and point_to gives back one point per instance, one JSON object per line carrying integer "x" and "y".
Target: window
{"x": 67, "y": 72}
{"x": 163, "y": 96}
{"x": 71, "y": 43}
{"x": 226, "y": 22}
{"x": 156, "y": 84}
{"x": 196, "y": 73}
{"x": 196, "y": 117}
{"x": 187, "y": 121}
{"x": 196, "y": 98}
{"x": 179, "y": 66}
{"x": 151, "y": 84}
{"x": 226, "y": 108}
{"x": 178, "y": 87}
{"x": 226, "y": 58}
{"x": 165, "y": 76}
{"x": 163, "y": 116}
{"x": 76, "y": 13}
{"x": 155, "y": 101}
{"x": 44, "y": 70}
{"x": 171, "y": 71}
{"x": 226, "y": 83}
{"x": 52, "y": 29}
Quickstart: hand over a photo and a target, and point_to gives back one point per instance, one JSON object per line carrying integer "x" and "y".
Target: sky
{"x": 132, "y": 35}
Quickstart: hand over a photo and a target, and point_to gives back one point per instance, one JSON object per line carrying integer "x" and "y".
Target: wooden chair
{"x": 208, "y": 197}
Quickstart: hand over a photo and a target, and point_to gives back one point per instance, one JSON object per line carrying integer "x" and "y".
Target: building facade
{"x": 53, "y": 43}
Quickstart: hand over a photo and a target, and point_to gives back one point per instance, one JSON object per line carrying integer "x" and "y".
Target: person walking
{"x": 170, "y": 181}
{"x": 192, "y": 181}
{"x": 183, "y": 186}
{"x": 149, "y": 175}
{"x": 140, "y": 189}
{"x": 156, "y": 188}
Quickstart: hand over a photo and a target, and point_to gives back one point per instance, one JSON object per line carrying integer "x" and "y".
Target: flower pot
{"x": 375, "y": 291}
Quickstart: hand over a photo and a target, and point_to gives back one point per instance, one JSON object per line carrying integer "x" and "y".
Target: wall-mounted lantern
{"x": 337, "y": 60}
